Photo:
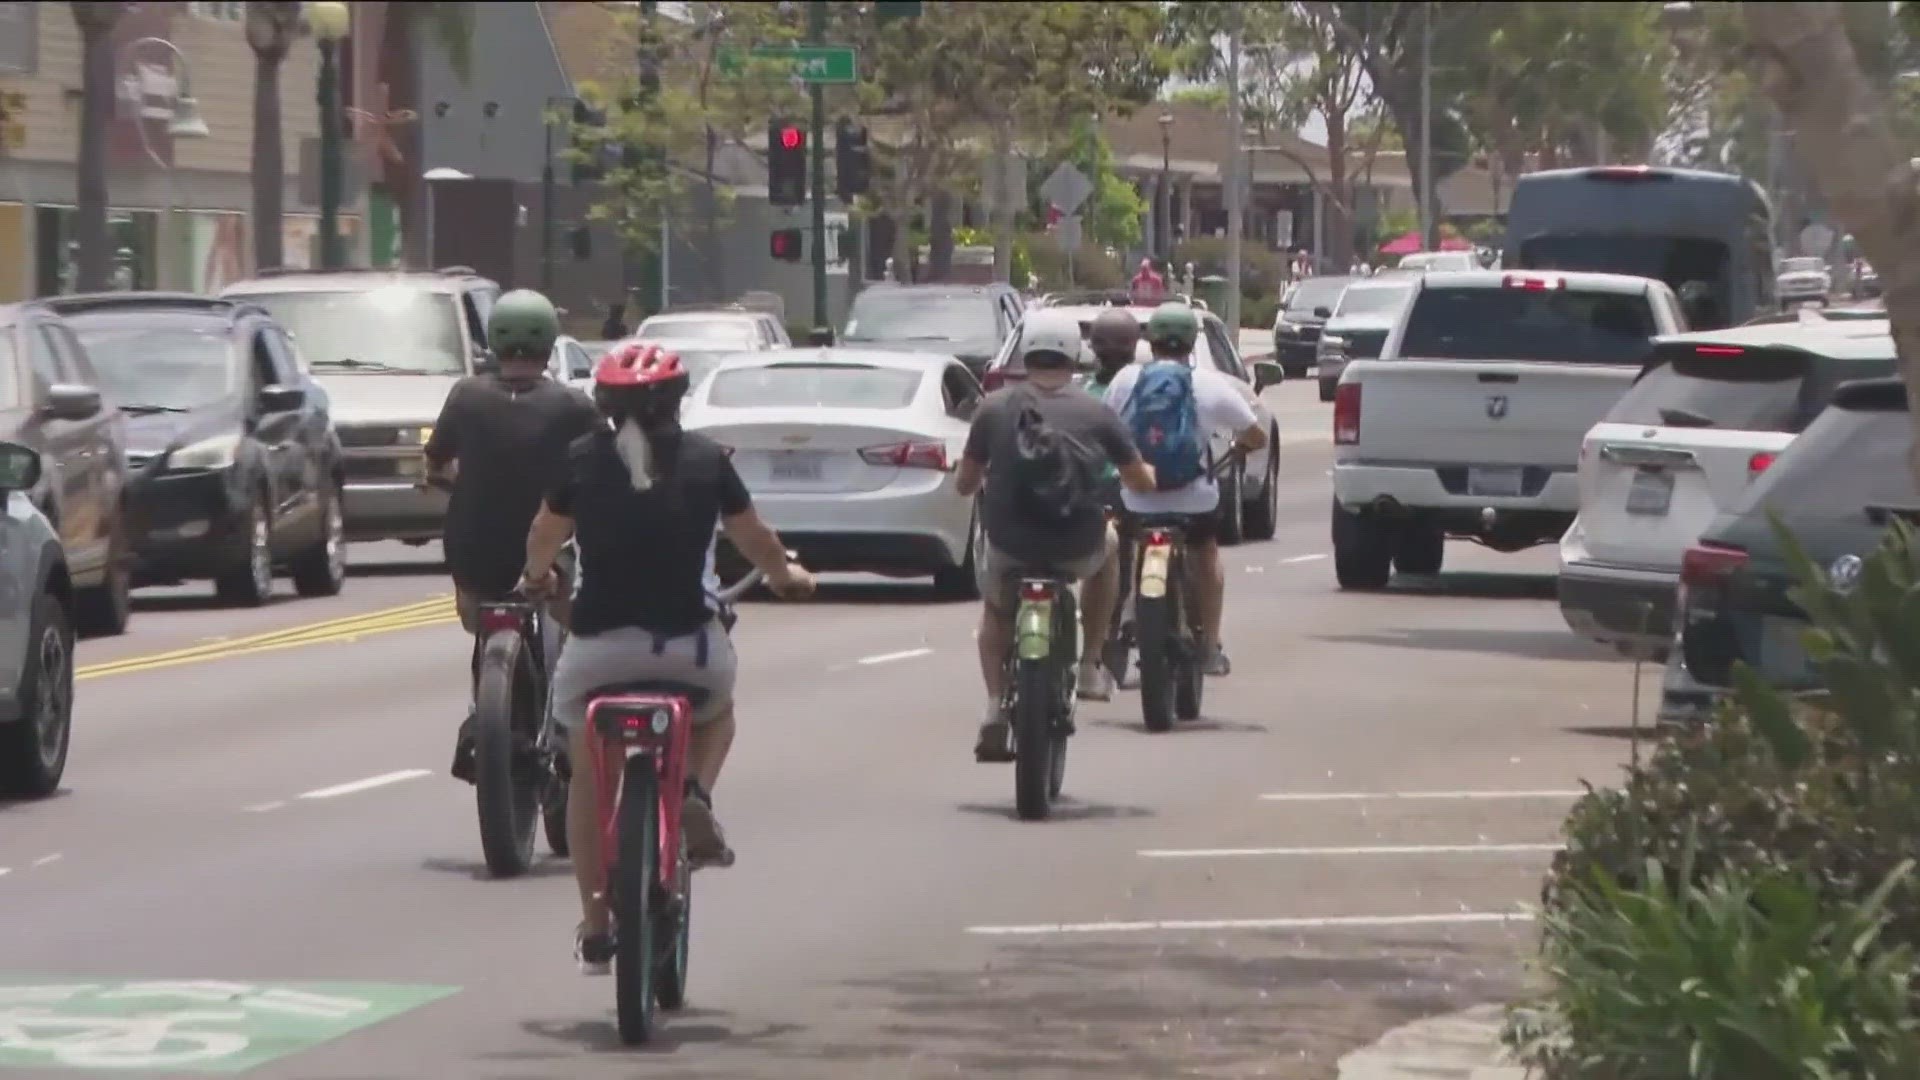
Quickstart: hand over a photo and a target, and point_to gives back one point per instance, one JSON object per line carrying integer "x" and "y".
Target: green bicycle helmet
{"x": 1173, "y": 328}
{"x": 523, "y": 326}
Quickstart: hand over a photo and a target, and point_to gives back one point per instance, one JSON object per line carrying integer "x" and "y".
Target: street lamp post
{"x": 331, "y": 21}
{"x": 185, "y": 123}
{"x": 1163, "y": 201}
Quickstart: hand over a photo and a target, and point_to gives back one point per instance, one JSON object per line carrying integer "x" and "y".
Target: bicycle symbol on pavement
{"x": 208, "y": 1025}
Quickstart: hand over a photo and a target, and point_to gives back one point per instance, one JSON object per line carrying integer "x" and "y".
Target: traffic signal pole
{"x": 817, "y": 34}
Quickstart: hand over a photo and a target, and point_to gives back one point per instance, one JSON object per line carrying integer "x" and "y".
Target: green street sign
{"x": 826, "y": 64}
{"x": 202, "y": 1026}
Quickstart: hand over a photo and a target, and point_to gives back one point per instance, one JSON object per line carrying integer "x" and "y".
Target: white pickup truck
{"x": 1469, "y": 423}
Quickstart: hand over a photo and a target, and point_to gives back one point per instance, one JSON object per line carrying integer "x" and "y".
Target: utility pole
{"x": 546, "y": 208}
{"x": 655, "y": 157}
{"x": 1236, "y": 181}
{"x": 817, "y": 35}
{"x": 1428, "y": 239}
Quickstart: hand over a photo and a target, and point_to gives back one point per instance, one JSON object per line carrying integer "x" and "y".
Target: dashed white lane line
{"x": 265, "y": 807}
{"x": 46, "y": 860}
{"x": 888, "y": 658}
{"x": 371, "y": 782}
{"x": 1337, "y": 922}
{"x": 1315, "y": 557}
{"x": 1388, "y": 796}
{"x": 1382, "y": 849}
{"x": 5, "y": 870}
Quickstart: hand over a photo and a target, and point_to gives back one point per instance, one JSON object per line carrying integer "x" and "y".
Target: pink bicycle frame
{"x": 632, "y": 720}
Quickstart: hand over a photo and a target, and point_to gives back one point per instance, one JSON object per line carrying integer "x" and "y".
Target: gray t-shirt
{"x": 993, "y": 443}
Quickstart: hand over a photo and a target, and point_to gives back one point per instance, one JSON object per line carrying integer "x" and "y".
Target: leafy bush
{"x": 1823, "y": 790}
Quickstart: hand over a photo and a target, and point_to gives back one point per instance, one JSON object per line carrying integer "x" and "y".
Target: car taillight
{"x": 908, "y": 455}
{"x": 1532, "y": 283}
{"x": 1760, "y": 463}
{"x": 494, "y": 620}
{"x": 1718, "y": 350}
{"x": 1158, "y": 538}
{"x": 1036, "y": 590}
{"x": 1346, "y": 414}
{"x": 1708, "y": 564}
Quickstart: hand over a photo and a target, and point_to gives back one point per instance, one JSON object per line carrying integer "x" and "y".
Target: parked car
{"x": 850, "y": 455}
{"x": 50, "y": 402}
{"x": 1251, "y": 492}
{"x": 1835, "y": 490}
{"x": 733, "y": 327}
{"x": 36, "y": 636}
{"x": 971, "y": 322}
{"x": 1707, "y": 417}
{"x": 1803, "y": 279}
{"x": 1304, "y": 311}
{"x": 1439, "y": 260}
{"x": 1358, "y": 326}
{"x": 387, "y": 347}
{"x": 241, "y": 468}
{"x": 1469, "y": 424}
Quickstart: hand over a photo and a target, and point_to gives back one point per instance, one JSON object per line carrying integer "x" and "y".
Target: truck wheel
{"x": 1420, "y": 548}
{"x": 1362, "y": 550}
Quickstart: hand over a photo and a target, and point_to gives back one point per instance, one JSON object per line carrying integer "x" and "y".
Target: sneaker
{"x": 995, "y": 742}
{"x": 593, "y": 952}
{"x": 1218, "y": 664}
{"x": 706, "y": 840}
{"x": 1096, "y": 682}
{"x": 463, "y": 764}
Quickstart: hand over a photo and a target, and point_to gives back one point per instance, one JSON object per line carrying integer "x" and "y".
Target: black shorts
{"x": 1199, "y": 528}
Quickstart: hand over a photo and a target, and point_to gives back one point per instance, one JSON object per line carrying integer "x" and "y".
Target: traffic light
{"x": 784, "y": 245}
{"x": 852, "y": 160}
{"x": 786, "y": 163}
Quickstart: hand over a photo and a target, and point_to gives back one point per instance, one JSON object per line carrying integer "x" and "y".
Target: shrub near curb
{"x": 1774, "y": 800}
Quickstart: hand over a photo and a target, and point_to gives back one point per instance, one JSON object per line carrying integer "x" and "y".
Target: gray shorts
{"x": 592, "y": 661}
{"x": 998, "y": 573}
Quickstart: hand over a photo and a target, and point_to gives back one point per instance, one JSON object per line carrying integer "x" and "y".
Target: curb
{"x": 1458, "y": 1046}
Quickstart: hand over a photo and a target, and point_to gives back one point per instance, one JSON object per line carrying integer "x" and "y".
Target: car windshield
{"x": 831, "y": 386}
{"x": 1802, "y": 266}
{"x": 1362, "y": 300}
{"x": 157, "y": 366}
{"x": 393, "y": 329}
{"x": 1315, "y": 294}
{"x": 725, "y": 333}
{"x": 1538, "y": 325}
{"x": 882, "y": 316}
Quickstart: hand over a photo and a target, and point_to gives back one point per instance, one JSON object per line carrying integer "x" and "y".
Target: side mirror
{"x": 72, "y": 401}
{"x": 1267, "y": 373}
{"x": 1323, "y": 313}
{"x": 19, "y": 467}
{"x": 279, "y": 398}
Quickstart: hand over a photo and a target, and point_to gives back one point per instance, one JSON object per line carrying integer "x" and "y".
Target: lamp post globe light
{"x": 330, "y": 20}
{"x": 183, "y": 122}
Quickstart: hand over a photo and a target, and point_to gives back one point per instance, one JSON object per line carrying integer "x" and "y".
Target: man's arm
{"x": 755, "y": 539}
{"x": 443, "y": 446}
{"x": 1228, "y": 408}
{"x": 972, "y": 473}
{"x": 548, "y": 534}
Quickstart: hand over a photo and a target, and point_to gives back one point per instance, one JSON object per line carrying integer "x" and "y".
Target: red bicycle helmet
{"x": 637, "y": 377}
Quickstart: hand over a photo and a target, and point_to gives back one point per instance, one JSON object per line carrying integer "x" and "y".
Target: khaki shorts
{"x": 998, "y": 574}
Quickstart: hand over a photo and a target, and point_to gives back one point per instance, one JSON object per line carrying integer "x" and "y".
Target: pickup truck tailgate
{"x": 1479, "y": 412}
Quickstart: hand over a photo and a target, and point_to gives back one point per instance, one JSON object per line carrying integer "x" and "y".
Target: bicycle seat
{"x": 696, "y": 695}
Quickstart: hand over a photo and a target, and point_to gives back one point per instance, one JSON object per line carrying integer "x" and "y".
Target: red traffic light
{"x": 792, "y": 138}
{"x": 784, "y": 245}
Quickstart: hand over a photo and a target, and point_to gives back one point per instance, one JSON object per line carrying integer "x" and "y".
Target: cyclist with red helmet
{"x": 643, "y": 500}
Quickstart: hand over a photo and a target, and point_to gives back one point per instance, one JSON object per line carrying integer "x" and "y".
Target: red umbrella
{"x": 1410, "y": 243}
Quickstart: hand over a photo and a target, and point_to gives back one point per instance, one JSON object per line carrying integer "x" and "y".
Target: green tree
{"x": 271, "y": 29}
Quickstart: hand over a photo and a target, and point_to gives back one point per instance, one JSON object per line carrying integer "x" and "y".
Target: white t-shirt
{"x": 1223, "y": 410}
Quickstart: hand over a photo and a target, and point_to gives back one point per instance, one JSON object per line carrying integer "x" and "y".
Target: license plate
{"x": 1651, "y": 492}
{"x": 796, "y": 465}
{"x": 1494, "y": 483}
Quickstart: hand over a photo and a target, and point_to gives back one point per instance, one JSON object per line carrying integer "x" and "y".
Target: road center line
{"x": 1317, "y": 556}
{"x": 1460, "y": 918}
{"x": 1388, "y": 796}
{"x": 1383, "y": 849}
{"x": 888, "y": 658}
{"x": 368, "y": 784}
{"x": 265, "y": 807}
{"x": 47, "y": 859}
{"x": 5, "y": 870}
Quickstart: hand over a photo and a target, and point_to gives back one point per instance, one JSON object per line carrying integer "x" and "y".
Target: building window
{"x": 221, "y": 10}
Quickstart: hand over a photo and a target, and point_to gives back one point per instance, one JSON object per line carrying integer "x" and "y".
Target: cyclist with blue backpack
{"x": 1174, "y": 409}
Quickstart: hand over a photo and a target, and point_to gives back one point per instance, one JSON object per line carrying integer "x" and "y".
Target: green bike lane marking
{"x": 206, "y": 1026}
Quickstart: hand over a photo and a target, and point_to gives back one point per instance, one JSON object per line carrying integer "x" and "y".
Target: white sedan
{"x": 850, "y": 455}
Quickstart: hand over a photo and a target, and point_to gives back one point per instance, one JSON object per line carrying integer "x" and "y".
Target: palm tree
{"x": 271, "y": 30}
{"x": 95, "y": 21}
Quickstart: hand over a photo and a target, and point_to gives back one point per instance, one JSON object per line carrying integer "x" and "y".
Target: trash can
{"x": 1212, "y": 291}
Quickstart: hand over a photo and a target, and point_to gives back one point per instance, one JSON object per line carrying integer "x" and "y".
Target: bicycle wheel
{"x": 673, "y": 936}
{"x": 1153, "y": 628}
{"x": 1033, "y": 736}
{"x": 635, "y": 872}
{"x": 506, "y": 792}
{"x": 553, "y": 816}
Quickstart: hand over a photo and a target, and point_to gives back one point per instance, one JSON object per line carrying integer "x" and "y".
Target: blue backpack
{"x": 1165, "y": 421}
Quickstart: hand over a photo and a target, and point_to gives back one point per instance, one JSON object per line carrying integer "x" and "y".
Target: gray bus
{"x": 1709, "y": 236}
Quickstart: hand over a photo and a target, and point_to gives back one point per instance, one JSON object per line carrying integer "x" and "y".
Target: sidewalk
{"x": 1459, "y": 1046}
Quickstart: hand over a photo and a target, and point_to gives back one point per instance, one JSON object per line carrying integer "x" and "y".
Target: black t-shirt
{"x": 993, "y": 442}
{"x": 643, "y": 554}
{"x": 511, "y": 441}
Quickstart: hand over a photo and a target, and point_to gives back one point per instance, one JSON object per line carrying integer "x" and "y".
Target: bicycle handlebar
{"x": 735, "y": 591}
{"x": 1219, "y": 468}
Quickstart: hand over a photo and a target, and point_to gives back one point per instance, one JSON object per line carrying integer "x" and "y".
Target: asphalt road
{"x": 259, "y": 803}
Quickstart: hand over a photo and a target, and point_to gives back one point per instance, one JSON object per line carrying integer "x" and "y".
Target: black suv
{"x": 240, "y": 466}
{"x": 969, "y": 322}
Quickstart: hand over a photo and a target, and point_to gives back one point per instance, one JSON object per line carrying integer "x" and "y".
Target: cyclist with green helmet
{"x": 501, "y": 438}
{"x": 1213, "y": 406}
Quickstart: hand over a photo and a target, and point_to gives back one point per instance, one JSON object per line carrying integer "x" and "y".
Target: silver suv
{"x": 36, "y": 637}
{"x": 386, "y": 346}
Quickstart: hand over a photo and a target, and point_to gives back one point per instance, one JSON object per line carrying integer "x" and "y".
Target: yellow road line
{"x": 434, "y": 612}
